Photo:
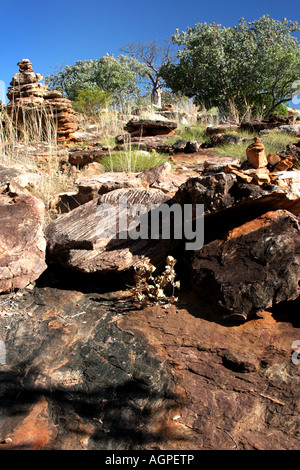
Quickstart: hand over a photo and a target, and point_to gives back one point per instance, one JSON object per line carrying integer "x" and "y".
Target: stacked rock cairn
{"x": 27, "y": 96}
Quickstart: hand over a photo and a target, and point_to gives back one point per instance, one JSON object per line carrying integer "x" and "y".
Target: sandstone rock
{"x": 90, "y": 240}
{"x": 179, "y": 146}
{"x": 29, "y": 98}
{"x": 16, "y": 180}
{"x": 240, "y": 174}
{"x": 257, "y": 266}
{"x": 289, "y": 180}
{"x": 284, "y": 165}
{"x": 218, "y": 164}
{"x": 192, "y": 146}
{"x": 160, "y": 177}
{"x": 290, "y": 129}
{"x": 273, "y": 159}
{"x": 92, "y": 187}
{"x": 257, "y": 125}
{"x": 82, "y": 157}
{"x": 100, "y": 374}
{"x": 256, "y": 154}
{"x": 22, "y": 257}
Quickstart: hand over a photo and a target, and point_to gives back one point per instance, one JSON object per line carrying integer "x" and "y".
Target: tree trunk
{"x": 156, "y": 96}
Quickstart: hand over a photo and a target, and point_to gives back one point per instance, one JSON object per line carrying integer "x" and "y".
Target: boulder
{"x": 22, "y": 257}
{"x": 192, "y": 146}
{"x": 91, "y": 238}
{"x": 290, "y": 129}
{"x": 16, "y": 180}
{"x": 179, "y": 146}
{"x": 147, "y": 127}
{"x": 228, "y": 200}
{"x": 222, "y": 129}
{"x": 223, "y": 139}
{"x": 160, "y": 177}
{"x": 94, "y": 186}
{"x": 257, "y": 125}
{"x": 254, "y": 268}
{"x": 218, "y": 164}
{"x": 91, "y": 187}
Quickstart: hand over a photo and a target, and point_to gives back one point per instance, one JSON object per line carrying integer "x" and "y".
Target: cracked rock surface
{"x": 87, "y": 369}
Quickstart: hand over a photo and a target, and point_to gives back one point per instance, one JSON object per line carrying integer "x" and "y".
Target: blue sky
{"x": 62, "y": 32}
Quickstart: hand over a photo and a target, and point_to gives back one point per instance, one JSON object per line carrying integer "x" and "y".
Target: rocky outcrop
{"x": 29, "y": 99}
{"x": 22, "y": 257}
{"x": 94, "y": 186}
{"x": 254, "y": 267}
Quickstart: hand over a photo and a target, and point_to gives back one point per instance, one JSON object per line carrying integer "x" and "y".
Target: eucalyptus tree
{"x": 250, "y": 65}
{"x": 118, "y": 77}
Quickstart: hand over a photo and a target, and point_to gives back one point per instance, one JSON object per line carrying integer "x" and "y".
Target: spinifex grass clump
{"x": 132, "y": 160}
{"x": 150, "y": 289}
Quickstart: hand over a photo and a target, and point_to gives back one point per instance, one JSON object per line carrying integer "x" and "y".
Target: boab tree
{"x": 251, "y": 65}
{"x": 151, "y": 56}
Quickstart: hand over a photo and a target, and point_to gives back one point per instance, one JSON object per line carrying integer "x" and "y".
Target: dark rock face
{"x": 22, "y": 258}
{"x": 79, "y": 380}
{"x": 257, "y": 266}
{"x": 89, "y": 371}
{"x": 229, "y": 202}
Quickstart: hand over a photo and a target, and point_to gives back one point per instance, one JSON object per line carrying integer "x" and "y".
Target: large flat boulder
{"x": 22, "y": 243}
{"x": 92, "y": 238}
{"x": 256, "y": 267}
{"x": 149, "y": 127}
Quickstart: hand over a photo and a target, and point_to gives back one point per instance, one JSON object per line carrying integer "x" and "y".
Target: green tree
{"x": 117, "y": 76}
{"x": 91, "y": 101}
{"x": 245, "y": 66}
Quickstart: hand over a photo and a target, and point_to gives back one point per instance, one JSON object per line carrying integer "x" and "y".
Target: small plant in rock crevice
{"x": 151, "y": 290}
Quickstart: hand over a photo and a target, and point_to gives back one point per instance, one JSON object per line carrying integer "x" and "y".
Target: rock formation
{"x": 254, "y": 268}
{"x": 83, "y": 241}
{"x": 256, "y": 154}
{"x": 148, "y": 127}
{"x": 22, "y": 242}
{"x": 28, "y": 98}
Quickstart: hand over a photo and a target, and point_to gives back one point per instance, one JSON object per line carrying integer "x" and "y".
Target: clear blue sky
{"x": 62, "y": 32}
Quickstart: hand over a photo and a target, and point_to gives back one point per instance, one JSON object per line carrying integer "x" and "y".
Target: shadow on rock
{"x": 130, "y": 415}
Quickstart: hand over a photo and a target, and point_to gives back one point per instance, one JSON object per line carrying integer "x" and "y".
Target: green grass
{"x": 132, "y": 161}
{"x": 187, "y": 133}
{"x": 274, "y": 142}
